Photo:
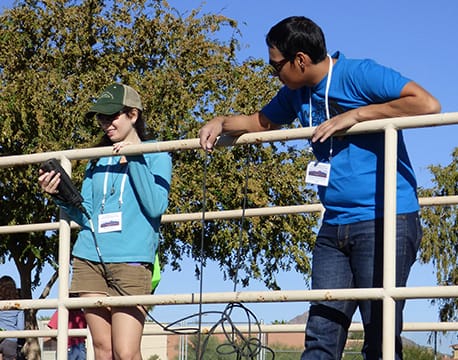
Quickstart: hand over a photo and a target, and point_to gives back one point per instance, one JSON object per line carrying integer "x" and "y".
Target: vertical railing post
{"x": 389, "y": 242}
{"x": 64, "y": 265}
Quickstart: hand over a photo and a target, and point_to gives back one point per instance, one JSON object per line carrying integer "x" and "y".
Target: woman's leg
{"x": 127, "y": 329}
{"x": 99, "y": 324}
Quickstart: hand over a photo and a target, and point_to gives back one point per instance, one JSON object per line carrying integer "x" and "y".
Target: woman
{"x": 125, "y": 197}
{"x": 9, "y": 319}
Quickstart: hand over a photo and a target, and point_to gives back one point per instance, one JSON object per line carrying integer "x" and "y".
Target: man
{"x": 333, "y": 93}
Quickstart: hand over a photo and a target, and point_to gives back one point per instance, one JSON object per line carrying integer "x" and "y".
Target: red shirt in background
{"x": 76, "y": 320}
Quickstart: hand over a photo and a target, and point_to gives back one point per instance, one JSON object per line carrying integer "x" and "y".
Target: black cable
{"x": 107, "y": 274}
{"x": 202, "y": 237}
{"x": 239, "y": 250}
{"x": 245, "y": 347}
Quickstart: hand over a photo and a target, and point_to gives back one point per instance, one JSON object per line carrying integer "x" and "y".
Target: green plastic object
{"x": 156, "y": 278}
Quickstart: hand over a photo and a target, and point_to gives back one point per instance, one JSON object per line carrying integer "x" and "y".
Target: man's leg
{"x": 367, "y": 264}
{"x": 328, "y": 322}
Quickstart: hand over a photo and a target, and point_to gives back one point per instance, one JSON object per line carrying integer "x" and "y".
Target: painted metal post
{"x": 389, "y": 243}
{"x": 64, "y": 264}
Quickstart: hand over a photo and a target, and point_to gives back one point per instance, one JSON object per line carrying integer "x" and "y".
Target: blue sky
{"x": 415, "y": 38}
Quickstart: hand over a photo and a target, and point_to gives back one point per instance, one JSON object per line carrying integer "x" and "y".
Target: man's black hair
{"x": 298, "y": 33}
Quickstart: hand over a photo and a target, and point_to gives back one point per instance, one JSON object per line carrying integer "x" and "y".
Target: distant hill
{"x": 299, "y": 319}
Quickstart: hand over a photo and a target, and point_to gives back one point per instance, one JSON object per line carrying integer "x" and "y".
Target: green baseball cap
{"x": 113, "y": 99}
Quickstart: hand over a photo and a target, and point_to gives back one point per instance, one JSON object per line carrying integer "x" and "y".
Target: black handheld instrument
{"x": 68, "y": 193}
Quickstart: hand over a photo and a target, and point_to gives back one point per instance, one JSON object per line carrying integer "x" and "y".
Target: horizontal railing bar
{"x": 10, "y": 229}
{"x": 90, "y": 153}
{"x": 48, "y": 303}
{"x": 225, "y": 214}
{"x": 408, "y": 122}
{"x": 438, "y": 200}
{"x": 425, "y": 292}
{"x": 233, "y": 214}
{"x": 250, "y": 138}
{"x": 299, "y": 328}
{"x": 411, "y": 326}
{"x": 154, "y": 329}
{"x": 193, "y": 298}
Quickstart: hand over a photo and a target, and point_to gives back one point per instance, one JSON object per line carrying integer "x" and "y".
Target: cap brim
{"x": 107, "y": 109}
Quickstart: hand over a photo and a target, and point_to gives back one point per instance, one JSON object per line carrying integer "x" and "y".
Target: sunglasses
{"x": 107, "y": 119}
{"x": 277, "y": 66}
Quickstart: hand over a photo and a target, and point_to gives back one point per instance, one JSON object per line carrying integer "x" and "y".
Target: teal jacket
{"x": 144, "y": 198}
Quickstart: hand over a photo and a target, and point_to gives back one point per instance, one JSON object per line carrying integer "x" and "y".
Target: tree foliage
{"x": 440, "y": 240}
{"x": 418, "y": 353}
{"x": 410, "y": 351}
{"x": 56, "y": 56}
{"x": 218, "y": 348}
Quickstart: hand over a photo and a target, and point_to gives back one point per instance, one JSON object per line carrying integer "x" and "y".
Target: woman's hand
{"x": 49, "y": 181}
{"x": 119, "y": 145}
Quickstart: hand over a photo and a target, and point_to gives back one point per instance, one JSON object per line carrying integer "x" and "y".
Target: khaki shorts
{"x": 131, "y": 278}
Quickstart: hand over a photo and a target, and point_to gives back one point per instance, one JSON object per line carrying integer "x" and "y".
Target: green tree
{"x": 440, "y": 240}
{"x": 417, "y": 353}
{"x": 210, "y": 349}
{"x": 283, "y": 352}
{"x": 55, "y": 56}
{"x": 409, "y": 352}
{"x": 215, "y": 348}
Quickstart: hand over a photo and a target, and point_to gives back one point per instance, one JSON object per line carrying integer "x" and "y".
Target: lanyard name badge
{"x": 110, "y": 222}
{"x": 318, "y": 172}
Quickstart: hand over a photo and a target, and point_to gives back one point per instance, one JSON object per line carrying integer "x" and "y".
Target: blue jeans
{"x": 351, "y": 256}
{"x": 77, "y": 352}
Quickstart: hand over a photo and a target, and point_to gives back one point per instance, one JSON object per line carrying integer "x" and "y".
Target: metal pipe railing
{"x": 154, "y": 329}
{"x": 225, "y": 214}
{"x": 389, "y": 293}
{"x": 389, "y": 242}
{"x": 250, "y": 138}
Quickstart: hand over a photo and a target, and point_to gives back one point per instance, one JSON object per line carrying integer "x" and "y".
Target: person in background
{"x": 76, "y": 344}
{"x": 125, "y": 197}
{"x": 332, "y": 93}
{"x": 9, "y": 319}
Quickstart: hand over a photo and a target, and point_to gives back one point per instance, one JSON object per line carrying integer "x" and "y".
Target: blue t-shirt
{"x": 144, "y": 200}
{"x": 355, "y": 190}
{"x": 12, "y": 320}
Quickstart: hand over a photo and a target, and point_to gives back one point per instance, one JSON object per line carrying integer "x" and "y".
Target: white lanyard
{"x": 326, "y": 101}
{"x": 105, "y": 183}
{"x": 326, "y": 94}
